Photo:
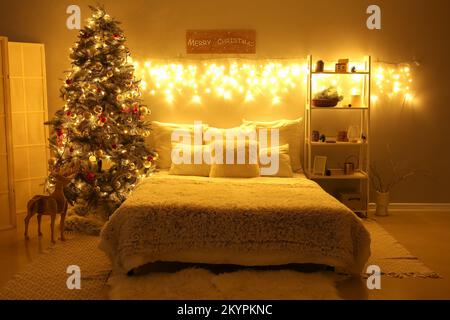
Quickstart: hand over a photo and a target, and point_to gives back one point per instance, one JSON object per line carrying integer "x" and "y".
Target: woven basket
{"x": 325, "y": 103}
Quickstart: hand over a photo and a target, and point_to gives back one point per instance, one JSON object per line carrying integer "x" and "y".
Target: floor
{"x": 424, "y": 234}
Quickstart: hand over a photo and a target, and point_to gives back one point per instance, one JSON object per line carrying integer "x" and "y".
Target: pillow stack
{"x": 290, "y": 132}
{"x": 241, "y": 152}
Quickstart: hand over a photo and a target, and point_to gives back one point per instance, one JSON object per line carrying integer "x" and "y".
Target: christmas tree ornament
{"x": 98, "y": 109}
{"x": 147, "y": 164}
{"x": 125, "y": 108}
{"x": 90, "y": 176}
{"x": 144, "y": 110}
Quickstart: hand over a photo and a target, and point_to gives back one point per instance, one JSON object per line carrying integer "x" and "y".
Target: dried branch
{"x": 375, "y": 177}
{"x": 396, "y": 177}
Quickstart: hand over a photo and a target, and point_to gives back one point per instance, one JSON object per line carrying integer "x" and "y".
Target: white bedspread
{"x": 261, "y": 221}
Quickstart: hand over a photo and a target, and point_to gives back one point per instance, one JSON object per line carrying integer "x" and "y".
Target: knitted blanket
{"x": 261, "y": 221}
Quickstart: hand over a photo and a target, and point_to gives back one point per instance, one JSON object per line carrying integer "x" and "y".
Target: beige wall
{"x": 285, "y": 29}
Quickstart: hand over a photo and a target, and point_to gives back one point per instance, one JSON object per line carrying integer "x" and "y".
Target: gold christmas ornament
{"x": 98, "y": 109}
{"x": 92, "y": 158}
{"x": 147, "y": 164}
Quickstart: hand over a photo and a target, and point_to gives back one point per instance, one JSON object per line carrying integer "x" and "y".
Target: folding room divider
{"x": 25, "y": 103}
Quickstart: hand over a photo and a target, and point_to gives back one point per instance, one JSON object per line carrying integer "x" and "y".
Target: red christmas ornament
{"x": 69, "y": 113}
{"x": 90, "y": 176}
{"x": 150, "y": 158}
{"x": 117, "y": 36}
{"x": 69, "y": 82}
{"x": 103, "y": 119}
{"x": 136, "y": 109}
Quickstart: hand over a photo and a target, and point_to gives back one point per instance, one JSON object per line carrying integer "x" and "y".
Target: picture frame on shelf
{"x": 320, "y": 165}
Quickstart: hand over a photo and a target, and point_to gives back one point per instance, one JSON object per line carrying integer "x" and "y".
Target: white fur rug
{"x": 199, "y": 284}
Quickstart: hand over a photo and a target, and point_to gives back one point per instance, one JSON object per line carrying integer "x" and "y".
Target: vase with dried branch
{"x": 383, "y": 184}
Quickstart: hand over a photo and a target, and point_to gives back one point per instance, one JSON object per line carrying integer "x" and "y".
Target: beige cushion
{"x": 290, "y": 133}
{"x": 284, "y": 161}
{"x": 190, "y": 168}
{"x": 245, "y": 167}
{"x": 161, "y": 140}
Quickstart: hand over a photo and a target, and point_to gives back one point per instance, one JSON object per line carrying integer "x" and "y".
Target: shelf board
{"x": 337, "y": 174}
{"x": 340, "y": 108}
{"x": 338, "y": 144}
{"x": 344, "y": 73}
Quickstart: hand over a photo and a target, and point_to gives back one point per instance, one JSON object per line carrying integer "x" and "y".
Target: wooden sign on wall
{"x": 221, "y": 41}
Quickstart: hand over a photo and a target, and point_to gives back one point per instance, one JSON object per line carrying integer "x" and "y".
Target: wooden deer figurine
{"x": 53, "y": 204}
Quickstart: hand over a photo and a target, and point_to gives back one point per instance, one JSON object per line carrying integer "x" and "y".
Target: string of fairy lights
{"x": 247, "y": 80}
{"x": 227, "y": 80}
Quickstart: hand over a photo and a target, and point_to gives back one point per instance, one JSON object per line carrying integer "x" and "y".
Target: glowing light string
{"x": 247, "y": 80}
{"x": 228, "y": 80}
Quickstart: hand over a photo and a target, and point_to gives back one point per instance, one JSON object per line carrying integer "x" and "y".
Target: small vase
{"x": 382, "y": 204}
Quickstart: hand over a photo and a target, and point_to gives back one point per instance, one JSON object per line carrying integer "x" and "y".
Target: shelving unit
{"x": 350, "y": 82}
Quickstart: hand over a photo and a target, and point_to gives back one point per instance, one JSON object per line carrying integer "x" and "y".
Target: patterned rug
{"x": 46, "y": 276}
{"x": 393, "y": 258}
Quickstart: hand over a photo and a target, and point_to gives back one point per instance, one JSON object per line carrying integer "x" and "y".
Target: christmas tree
{"x": 99, "y": 133}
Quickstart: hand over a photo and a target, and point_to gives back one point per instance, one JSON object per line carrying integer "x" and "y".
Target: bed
{"x": 251, "y": 222}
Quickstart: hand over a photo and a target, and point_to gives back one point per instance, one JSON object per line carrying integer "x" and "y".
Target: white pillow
{"x": 161, "y": 140}
{"x": 191, "y": 153}
{"x": 243, "y": 158}
{"x": 284, "y": 161}
{"x": 290, "y": 132}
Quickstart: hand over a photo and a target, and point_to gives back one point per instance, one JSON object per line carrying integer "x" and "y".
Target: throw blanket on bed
{"x": 259, "y": 221}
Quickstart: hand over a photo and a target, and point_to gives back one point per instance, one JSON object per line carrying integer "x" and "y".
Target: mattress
{"x": 252, "y": 222}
